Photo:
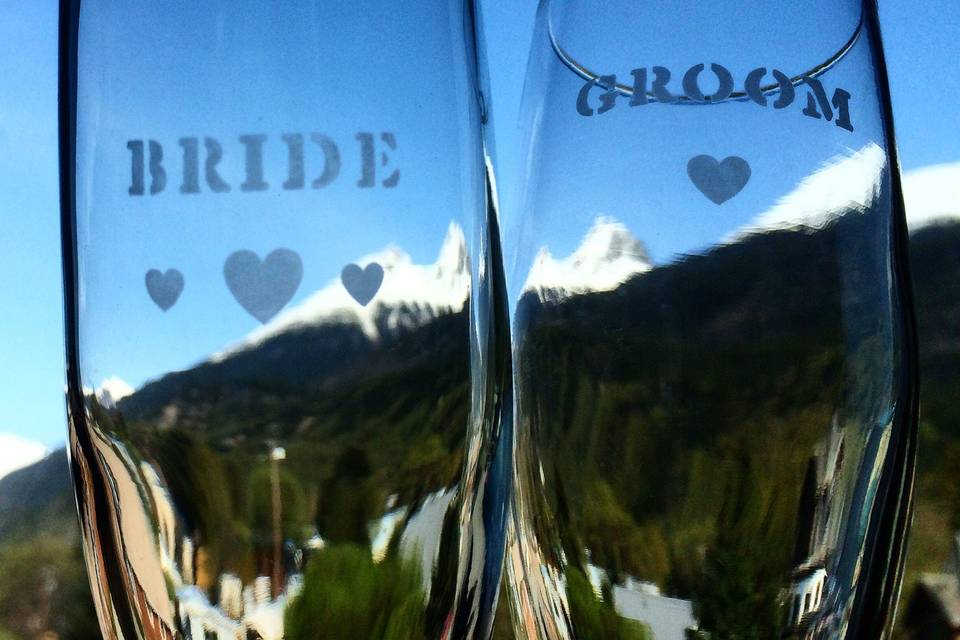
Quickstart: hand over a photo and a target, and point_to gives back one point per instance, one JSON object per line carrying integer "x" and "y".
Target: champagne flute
{"x": 713, "y": 341}
{"x": 286, "y": 341}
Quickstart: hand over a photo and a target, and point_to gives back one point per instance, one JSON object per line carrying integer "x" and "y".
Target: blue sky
{"x": 163, "y": 75}
{"x": 920, "y": 39}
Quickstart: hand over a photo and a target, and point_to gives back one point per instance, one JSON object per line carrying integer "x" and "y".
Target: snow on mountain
{"x": 410, "y": 295}
{"x": 17, "y": 452}
{"x": 608, "y": 256}
{"x": 932, "y": 194}
{"x": 113, "y": 390}
{"x": 844, "y": 181}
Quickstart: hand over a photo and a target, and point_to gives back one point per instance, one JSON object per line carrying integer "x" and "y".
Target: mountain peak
{"x": 410, "y": 294}
{"x": 113, "y": 390}
{"x": 17, "y": 452}
{"x": 608, "y": 255}
{"x": 844, "y": 181}
{"x": 932, "y": 194}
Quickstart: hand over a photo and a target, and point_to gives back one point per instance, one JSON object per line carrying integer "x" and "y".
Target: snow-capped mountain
{"x": 409, "y": 296}
{"x": 608, "y": 256}
{"x": 17, "y": 452}
{"x": 844, "y": 181}
{"x": 932, "y": 194}
{"x": 113, "y": 390}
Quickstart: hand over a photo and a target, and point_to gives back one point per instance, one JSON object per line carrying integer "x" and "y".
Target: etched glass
{"x": 286, "y": 335}
{"x": 713, "y": 341}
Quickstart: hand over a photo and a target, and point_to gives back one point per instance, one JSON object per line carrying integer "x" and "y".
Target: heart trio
{"x": 264, "y": 287}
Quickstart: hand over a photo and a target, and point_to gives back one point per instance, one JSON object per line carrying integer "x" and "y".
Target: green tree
{"x": 346, "y": 595}
{"x": 43, "y": 588}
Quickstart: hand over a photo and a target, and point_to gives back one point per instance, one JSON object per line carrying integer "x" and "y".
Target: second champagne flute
{"x": 713, "y": 333}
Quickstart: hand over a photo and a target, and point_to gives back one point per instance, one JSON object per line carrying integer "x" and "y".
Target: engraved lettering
{"x": 841, "y": 102}
{"x": 377, "y": 163}
{"x": 816, "y": 96}
{"x": 136, "y": 167}
{"x": 818, "y": 105}
{"x": 661, "y": 76}
{"x": 368, "y": 172}
{"x": 295, "y": 177}
{"x": 214, "y": 155}
{"x": 158, "y": 175}
{"x": 331, "y": 160}
{"x": 607, "y": 98}
{"x": 691, "y": 84}
{"x": 391, "y": 141}
{"x": 191, "y": 166}
{"x": 254, "y": 163}
{"x": 639, "y": 87}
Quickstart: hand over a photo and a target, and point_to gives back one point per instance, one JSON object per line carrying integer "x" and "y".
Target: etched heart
{"x": 362, "y": 284}
{"x": 264, "y": 287}
{"x": 164, "y": 288}
{"x": 719, "y": 181}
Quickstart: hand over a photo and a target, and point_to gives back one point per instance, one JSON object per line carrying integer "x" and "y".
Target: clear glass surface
{"x": 285, "y": 329}
{"x": 712, "y": 333}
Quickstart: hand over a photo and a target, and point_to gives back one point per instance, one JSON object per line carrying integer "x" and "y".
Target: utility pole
{"x": 276, "y": 455}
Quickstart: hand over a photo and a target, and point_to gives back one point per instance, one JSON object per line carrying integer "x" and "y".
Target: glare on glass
{"x": 715, "y": 394}
{"x": 286, "y": 355}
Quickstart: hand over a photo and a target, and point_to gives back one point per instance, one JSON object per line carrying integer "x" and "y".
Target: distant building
{"x": 204, "y": 621}
{"x": 666, "y": 618}
{"x": 241, "y": 613}
{"x": 818, "y": 524}
{"x": 806, "y": 595}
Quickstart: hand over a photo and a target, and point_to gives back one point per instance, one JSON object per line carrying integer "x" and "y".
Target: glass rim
{"x": 587, "y": 74}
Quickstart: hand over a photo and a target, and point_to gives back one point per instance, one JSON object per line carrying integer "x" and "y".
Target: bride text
{"x": 148, "y": 157}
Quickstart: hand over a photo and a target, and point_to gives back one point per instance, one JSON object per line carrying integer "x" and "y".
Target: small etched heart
{"x": 362, "y": 284}
{"x": 263, "y": 287}
{"x": 164, "y": 288}
{"x": 719, "y": 181}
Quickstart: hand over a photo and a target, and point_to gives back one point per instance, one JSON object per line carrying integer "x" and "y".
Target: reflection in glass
{"x": 286, "y": 354}
{"x": 712, "y": 340}
{"x": 931, "y": 588}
